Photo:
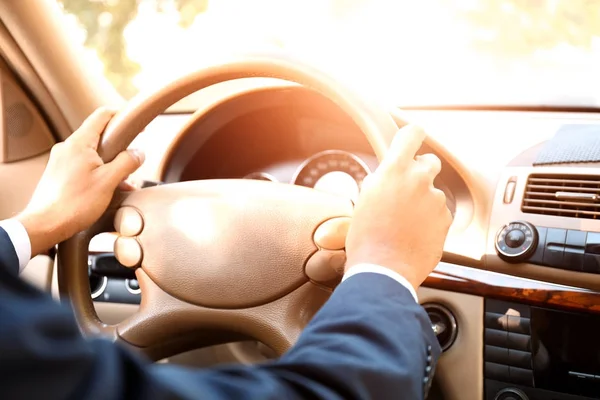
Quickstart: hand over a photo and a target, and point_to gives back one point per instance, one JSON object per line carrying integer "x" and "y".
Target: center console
{"x": 568, "y": 249}
{"x": 110, "y": 281}
{"x": 540, "y": 353}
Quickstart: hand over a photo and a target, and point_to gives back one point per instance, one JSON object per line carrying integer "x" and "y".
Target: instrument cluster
{"x": 337, "y": 172}
{"x": 333, "y": 171}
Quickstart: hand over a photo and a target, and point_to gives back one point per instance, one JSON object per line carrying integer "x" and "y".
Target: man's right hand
{"x": 401, "y": 220}
{"x": 76, "y": 186}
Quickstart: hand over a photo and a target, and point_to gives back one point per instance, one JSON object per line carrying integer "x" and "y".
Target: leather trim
{"x": 460, "y": 368}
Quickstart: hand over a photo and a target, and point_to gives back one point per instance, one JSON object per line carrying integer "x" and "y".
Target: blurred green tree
{"x": 513, "y": 28}
{"x": 104, "y": 22}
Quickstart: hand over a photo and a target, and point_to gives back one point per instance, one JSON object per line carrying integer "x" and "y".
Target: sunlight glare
{"x": 362, "y": 39}
{"x": 196, "y": 221}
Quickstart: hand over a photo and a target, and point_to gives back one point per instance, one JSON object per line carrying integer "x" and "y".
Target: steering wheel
{"x": 220, "y": 260}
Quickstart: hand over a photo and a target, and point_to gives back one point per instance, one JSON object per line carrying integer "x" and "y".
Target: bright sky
{"x": 403, "y": 51}
{"x": 361, "y": 48}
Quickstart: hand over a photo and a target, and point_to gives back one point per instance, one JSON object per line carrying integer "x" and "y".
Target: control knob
{"x": 511, "y": 394}
{"x": 516, "y": 241}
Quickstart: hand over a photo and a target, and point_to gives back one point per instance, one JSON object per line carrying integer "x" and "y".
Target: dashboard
{"x": 488, "y": 290}
{"x": 294, "y": 137}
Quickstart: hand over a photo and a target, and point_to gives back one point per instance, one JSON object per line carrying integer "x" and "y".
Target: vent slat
{"x": 540, "y": 195}
{"x": 562, "y": 181}
{"x": 560, "y": 211}
{"x": 562, "y": 203}
{"x": 564, "y": 188}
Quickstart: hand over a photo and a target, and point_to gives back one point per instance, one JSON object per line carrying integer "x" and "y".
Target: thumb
{"x": 124, "y": 164}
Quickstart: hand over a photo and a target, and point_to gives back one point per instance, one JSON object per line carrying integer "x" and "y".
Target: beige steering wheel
{"x": 220, "y": 260}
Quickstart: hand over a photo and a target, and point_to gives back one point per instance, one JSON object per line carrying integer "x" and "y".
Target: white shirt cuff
{"x": 378, "y": 269}
{"x": 20, "y": 240}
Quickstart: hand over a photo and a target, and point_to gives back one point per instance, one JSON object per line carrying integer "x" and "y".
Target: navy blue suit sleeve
{"x": 9, "y": 260}
{"x": 370, "y": 340}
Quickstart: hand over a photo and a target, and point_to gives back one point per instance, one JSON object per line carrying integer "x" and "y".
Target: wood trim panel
{"x": 456, "y": 278}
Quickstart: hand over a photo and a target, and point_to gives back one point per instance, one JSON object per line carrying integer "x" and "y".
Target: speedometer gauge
{"x": 333, "y": 171}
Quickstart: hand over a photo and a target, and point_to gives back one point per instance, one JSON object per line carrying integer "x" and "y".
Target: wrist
{"x": 43, "y": 231}
{"x": 408, "y": 272}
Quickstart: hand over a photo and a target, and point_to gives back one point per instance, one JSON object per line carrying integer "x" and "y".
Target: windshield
{"x": 409, "y": 52}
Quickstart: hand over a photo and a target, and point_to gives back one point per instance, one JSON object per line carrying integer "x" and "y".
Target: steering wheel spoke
{"x": 166, "y": 325}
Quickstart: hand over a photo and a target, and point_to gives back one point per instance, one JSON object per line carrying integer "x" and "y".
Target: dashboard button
{"x": 521, "y": 359}
{"x": 574, "y": 250}
{"x": 592, "y": 243}
{"x": 572, "y": 259}
{"x": 515, "y": 238}
{"x": 133, "y": 286}
{"x": 521, "y": 376}
{"x": 538, "y": 254}
{"x": 498, "y": 355}
{"x": 497, "y": 372}
{"x": 554, "y": 249}
{"x": 518, "y": 324}
{"x": 495, "y": 337}
{"x": 505, "y": 307}
{"x": 576, "y": 238}
{"x": 591, "y": 263}
{"x": 519, "y": 341}
{"x": 496, "y": 321}
{"x": 591, "y": 259}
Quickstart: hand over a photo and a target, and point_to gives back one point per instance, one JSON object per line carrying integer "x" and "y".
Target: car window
{"x": 502, "y": 52}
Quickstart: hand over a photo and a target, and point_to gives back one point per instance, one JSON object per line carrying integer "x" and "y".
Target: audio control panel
{"x": 537, "y": 353}
{"x": 568, "y": 249}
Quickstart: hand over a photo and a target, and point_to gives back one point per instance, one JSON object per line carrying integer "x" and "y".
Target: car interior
{"x": 235, "y": 236}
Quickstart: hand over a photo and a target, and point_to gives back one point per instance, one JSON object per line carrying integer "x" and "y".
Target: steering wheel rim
{"x": 265, "y": 319}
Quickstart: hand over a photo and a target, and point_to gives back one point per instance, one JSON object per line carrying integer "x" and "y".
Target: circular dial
{"x": 516, "y": 241}
{"x": 443, "y": 323}
{"x": 334, "y": 171}
{"x": 511, "y": 394}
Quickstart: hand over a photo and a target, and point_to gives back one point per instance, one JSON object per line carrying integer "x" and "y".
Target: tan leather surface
{"x": 114, "y": 313}
{"x": 230, "y": 243}
{"x": 460, "y": 368}
{"x": 163, "y": 319}
{"x": 39, "y": 31}
{"x": 14, "y": 200}
{"x": 17, "y": 62}
{"x": 24, "y": 132}
{"x": 73, "y": 280}
{"x": 38, "y": 272}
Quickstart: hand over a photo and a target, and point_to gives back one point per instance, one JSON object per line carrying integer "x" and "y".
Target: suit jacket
{"x": 369, "y": 341}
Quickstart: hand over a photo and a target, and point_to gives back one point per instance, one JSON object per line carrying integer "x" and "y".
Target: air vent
{"x": 575, "y": 196}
